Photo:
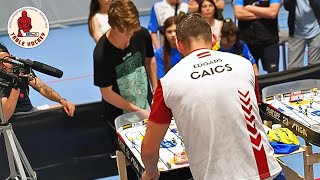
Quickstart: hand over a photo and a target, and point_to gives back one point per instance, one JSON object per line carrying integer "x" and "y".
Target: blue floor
{"x": 70, "y": 49}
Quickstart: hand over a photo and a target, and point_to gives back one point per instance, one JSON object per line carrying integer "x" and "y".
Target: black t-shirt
{"x": 23, "y": 103}
{"x": 124, "y": 70}
{"x": 260, "y": 31}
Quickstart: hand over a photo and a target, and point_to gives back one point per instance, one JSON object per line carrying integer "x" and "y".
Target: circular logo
{"x": 28, "y": 27}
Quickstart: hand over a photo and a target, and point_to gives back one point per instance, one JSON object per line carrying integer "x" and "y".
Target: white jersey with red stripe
{"x": 211, "y": 96}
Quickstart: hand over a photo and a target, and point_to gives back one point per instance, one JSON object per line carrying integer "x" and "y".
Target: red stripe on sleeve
{"x": 160, "y": 113}
{"x": 257, "y": 90}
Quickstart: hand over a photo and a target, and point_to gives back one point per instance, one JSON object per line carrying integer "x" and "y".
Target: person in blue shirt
{"x": 230, "y": 42}
{"x": 161, "y": 11}
{"x": 167, "y": 55}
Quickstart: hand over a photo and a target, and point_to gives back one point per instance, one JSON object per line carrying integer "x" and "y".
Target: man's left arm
{"x": 270, "y": 12}
{"x": 51, "y": 94}
{"x": 151, "y": 67}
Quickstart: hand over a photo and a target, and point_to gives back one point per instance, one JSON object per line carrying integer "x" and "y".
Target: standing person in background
{"x": 230, "y": 42}
{"x": 258, "y": 26}
{"x": 123, "y": 61}
{"x": 159, "y": 13}
{"x": 210, "y": 94}
{"x": 123, "y": 65}
{"x": 168, "y": 55}
{"x": 194, "y": 5}
{"x": 98, "y": 18}
{"x": 304, "y": 30}
{"x": 208, "y": 9}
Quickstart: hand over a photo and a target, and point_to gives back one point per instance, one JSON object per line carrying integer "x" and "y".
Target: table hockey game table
{"x": 296, "y": 106}
{"x": 173, "y": 161}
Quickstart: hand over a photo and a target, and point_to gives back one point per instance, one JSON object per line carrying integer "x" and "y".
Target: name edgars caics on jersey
{"x": 208, "y": 71}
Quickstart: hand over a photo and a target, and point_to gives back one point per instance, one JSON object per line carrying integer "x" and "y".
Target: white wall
{"x": 61, "y": 12}
{"x": 58, "y": 12}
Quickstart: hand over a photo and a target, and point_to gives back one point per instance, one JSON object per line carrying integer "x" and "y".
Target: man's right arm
{"x": 157, "y": 126}
{"x": 9, "y": 103}
{"x": 242, "y": 14}
{"x": 118, "y": 101}
{"x": 270, "y": 12}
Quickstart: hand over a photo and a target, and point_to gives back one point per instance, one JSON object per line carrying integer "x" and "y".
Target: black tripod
{"x": 19, "y": 165}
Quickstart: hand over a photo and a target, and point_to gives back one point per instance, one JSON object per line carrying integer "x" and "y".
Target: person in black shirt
{"x": 124, "y": 63}
{"x": 258, "y": 26}
{"x": 17, "y": 101}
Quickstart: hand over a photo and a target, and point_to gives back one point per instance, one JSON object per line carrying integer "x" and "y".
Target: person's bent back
{"x": 212, "y": 98}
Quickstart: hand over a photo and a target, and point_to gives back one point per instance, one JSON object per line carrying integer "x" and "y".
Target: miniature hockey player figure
{"x": 168, "y": 165}
{"x": 305, "y": 111}
{"x": 311, "y": 102}
{"x": 298, "y": 100}
{"x": 300, "y": 109}
{"x": 133, "y": 143}
{"x": 315, "y": 91}
{"x": 279, "y": 96}
{"x": 174, "y": 141}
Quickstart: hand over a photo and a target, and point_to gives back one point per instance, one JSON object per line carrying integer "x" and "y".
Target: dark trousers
{"x": 269, "y": 55}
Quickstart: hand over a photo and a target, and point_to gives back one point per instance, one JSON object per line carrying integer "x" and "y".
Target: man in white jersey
{"x": 212, "y": 98}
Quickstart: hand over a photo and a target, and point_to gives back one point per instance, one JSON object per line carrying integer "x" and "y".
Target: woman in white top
{"x": 208, "y": 9}
{"x": 98, "y": 18}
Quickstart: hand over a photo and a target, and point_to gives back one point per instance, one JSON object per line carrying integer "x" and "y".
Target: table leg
{"x": 122, "y": 165}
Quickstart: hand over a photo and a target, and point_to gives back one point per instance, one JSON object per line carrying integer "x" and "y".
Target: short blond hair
{"x": 123, "y": 15}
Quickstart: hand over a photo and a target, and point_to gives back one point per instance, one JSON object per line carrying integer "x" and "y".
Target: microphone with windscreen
{"x": 41, "y": 67}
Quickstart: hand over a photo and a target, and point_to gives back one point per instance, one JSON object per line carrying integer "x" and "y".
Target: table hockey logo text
{"x": 28, "y": 27}
{"x": 273, "y": 113}
{"x": 285, "y": 121}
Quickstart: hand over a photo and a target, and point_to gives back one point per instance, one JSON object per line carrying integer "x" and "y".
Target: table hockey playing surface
{"x": 172, "y": 152}
{"x": 302, "y": 106}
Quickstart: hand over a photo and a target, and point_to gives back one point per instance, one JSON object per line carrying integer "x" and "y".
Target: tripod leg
{"x": 24, "y": 158}
{"x": 15, "y": 152}
{"x": 13, "y": 172}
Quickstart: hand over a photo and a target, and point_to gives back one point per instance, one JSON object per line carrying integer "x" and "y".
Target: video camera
{"x": 20, "y": 72}
{"x": 17, "y": 76}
